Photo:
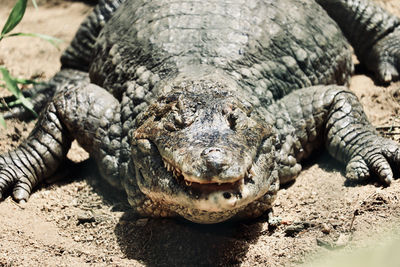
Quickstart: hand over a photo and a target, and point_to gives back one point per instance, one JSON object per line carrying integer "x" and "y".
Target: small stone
{"x": 343, "y": 240}
{"x": 325, "y": 244}
{"x": 326, "y": 229}
{"x": 46, "y": 208}
{"x": 74, "y": 202}
{"x": 274, "y": 221}
{"x": 85, "y": 218}
{"x": 296, "y": 228}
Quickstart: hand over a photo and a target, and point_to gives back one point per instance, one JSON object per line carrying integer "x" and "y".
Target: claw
{"x": 382, "y": 156}
{"x": 387, "y": 72}
{"x": 384, "y": 57}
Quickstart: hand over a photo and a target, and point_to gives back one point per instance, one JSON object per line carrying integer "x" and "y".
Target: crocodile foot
{"x": 16, "y": 177}
{"x": 376, "y": 157}
{"x": 384, "y": 57}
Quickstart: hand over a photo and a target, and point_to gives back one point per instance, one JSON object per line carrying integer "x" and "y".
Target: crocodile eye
{"x": 232, "y": 119}
{"x": 169, "y": 126}
{"x": 178, "y": 119}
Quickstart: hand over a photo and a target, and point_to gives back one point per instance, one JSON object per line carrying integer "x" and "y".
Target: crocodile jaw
{"x": 203, "y": 151}
{"x": 202, "y": 202}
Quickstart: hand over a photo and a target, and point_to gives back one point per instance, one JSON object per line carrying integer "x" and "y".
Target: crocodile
{"x": 202, "y": 109}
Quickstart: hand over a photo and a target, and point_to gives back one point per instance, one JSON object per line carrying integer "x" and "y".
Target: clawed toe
{"x": 384, "y": 58}
{"x": 21, "y": 188}
{"x": 13, "y": 178}
{"x": 381, "y": 158}
{"x": 387, "y": 72}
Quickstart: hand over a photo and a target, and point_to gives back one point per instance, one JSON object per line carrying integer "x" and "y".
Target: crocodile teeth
{"x": 250, "y": 172}
{"x": 175, "y": 171}
{"x": 168, "y": 166}
{"x": 188, "y": 183}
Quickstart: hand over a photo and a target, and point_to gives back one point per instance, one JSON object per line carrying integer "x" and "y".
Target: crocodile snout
{"x": 215, "y": 159}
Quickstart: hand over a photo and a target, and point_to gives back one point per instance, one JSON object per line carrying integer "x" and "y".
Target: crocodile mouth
{"x": 210, "y": 186}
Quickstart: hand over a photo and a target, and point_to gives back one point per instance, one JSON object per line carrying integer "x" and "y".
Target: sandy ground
{"x": 82, "y": 222}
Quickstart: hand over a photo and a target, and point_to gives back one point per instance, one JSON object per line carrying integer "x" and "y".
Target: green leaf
{"x": 34, "y": 4}
{"x": 12, "y": 86}
{"x": 11, "y": 104}
{"x": 15, "y": 17}
{"x": 3, "y": 122}
{"x": 26, "y": 81}
{"x": 28, "y": 104}
{"x": 52, "y": 40}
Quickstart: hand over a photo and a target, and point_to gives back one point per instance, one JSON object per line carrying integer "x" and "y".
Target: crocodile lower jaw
{"x": 208, "y": 186}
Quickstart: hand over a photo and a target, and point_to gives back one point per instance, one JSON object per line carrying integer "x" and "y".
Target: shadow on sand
{"x": 168, "y": 242}
{"x": 174, "y": 242}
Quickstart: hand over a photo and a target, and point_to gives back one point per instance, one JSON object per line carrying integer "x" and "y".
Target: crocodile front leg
{"x": 373, "y": 32}
{"x": 351, "y": 139}
{"x": 90, "y": 115}
{"x": 331, "y": 116}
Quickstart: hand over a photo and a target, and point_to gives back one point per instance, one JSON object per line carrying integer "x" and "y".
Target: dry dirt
{"x": 82, "y": 222}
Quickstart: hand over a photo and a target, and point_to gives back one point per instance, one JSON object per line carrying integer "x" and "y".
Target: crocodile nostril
{"x": 215, "y": 159}
{"x": 227, "y": 195}
{"x": 210, "y": 150}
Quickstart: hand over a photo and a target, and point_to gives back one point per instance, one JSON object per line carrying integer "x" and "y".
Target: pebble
{"x": 343, "y": 240}
{"x": 85, "y": 218}
{"x": 326, "y": 229}
{"x": 297, "y": 227}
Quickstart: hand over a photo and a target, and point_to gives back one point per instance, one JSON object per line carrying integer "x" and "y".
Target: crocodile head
{"x": 203, "y": 151}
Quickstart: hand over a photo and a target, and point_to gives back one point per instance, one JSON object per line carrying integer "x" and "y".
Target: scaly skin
{"x": 333, "y": 117}
{"x": 201, "y": 109}
{"x": 86, "y": 113}
{"x": 373, "y": 33}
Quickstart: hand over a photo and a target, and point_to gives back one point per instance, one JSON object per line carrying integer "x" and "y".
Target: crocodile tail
{"x": 78, "y": 55}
